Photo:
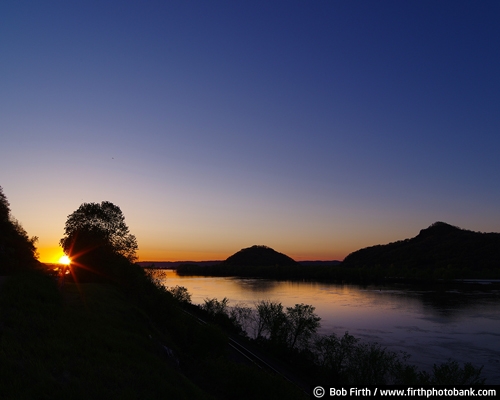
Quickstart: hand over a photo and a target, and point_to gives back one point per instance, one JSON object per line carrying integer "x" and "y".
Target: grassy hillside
{"x": 86, "y": 342}
{"x": 97, "y": 341}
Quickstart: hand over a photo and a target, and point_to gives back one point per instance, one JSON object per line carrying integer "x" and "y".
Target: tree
{"x": 180, "y": 294}
{"x": 95, "y": 227}
{"x": 17, "y": 249}
{"x": 303, "y": 323}
{"x": 4, "y": 206}
{"x": 272, "y": 321}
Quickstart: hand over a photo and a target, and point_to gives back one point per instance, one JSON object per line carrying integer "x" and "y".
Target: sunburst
{"x": 65, "y": 260}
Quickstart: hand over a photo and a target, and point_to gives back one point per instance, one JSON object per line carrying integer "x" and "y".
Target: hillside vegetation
{"x": 17, "y": 249}
{"x": 107, "y": 329}
{"x": 95, "y": 340}
{"x": 110, "y": 329}
{"x": 440, "y": 252}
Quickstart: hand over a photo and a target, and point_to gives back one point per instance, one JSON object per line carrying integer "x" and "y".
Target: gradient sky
{"x": 313, "y": 127}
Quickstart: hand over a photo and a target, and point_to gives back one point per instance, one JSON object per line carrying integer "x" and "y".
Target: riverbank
{"x": 342, "y": 274}
{"x": 432, "y": 323}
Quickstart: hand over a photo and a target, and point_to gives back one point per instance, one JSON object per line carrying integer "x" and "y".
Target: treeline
{"x": 17, "y": 249}
{"x": 291, "y": 334}
{"x": 108, "y": 329}
{"x": 440, "y": 252}
{"x": 343, "y": 273}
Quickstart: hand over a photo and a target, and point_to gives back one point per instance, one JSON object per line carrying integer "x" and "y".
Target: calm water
{"x": 430, "y": 326}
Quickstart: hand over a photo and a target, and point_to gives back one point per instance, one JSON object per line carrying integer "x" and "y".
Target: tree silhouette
{"x": 4, "y": 207}
{"x": 17, "y": 249}
{"x": 94, "y": 226}
{"x": 272, "y": 321}
{"x": 303, "y": 323}
{"x": 98, "y": 241}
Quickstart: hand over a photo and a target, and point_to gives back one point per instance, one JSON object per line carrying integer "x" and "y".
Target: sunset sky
{"x": 313, "y": 127}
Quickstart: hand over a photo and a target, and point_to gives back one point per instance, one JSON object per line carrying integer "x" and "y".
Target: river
{"x": 430, "y": 325}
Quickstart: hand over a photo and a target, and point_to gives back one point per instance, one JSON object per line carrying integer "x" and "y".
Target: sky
{"x": 313, "y": 127}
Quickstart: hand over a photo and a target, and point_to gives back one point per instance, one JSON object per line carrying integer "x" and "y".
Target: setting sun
{"x": 64, "y": 260}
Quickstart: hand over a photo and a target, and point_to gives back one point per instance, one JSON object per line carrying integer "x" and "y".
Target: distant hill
{"x": 255, "y": 261}
{"x": 441, "y": 252}
{"x": 440, "y": 246}
{"x": 261, "y": 256}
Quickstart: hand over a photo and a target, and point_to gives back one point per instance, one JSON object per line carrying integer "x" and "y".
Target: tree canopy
{"x": 445, "y": 251}
{"x": 17, "y": 249}
{"x": 4, "y": 206}
{"x": 102, "y": 227}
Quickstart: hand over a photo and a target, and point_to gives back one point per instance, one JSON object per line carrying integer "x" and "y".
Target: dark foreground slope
{"x": 85, "y": 342}
{"x": 90, "y": 341}
{"x": 441, "y": 249}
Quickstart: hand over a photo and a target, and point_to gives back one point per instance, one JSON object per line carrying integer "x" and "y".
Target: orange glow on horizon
{"x": 172, "y": 256}
{"x": 50, "y": 255}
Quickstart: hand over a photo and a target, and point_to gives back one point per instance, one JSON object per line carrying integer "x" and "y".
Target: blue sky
{"x": 316, "y": 128}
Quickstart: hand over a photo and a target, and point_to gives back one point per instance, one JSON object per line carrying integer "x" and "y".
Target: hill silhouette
{"x": 261, "y": 256}
{"x": 440, "y": 246}
{"x": 439, "y": 252}
{"x": 255, "y": 261}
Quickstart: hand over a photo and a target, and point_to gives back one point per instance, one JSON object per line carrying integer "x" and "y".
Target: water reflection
{"x": 256, "y": 285}
{"x": 430, "y": 325}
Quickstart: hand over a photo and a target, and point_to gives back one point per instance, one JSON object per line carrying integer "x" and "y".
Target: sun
{"x": 64, "y": 260}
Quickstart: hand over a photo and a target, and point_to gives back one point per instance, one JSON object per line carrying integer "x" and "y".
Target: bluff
{"x": 439, "y": 246}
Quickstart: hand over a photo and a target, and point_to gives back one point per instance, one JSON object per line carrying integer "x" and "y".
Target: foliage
{"x": 352, "y": 362}
{"x": 17, "y": 249}
{"x": 84, "y": 342}
{"x": 333, "y": 353}
{"x": 244, "y": 318}
{"x": 4, "y": 206}
{"x": 441, "y": 251}
{"x": 99, "y": 243}
{"x": 180, "y": 293}
{"x": 291, "y": 334}
{"x": 218, "y": 312}
{"x": 450, "y": 373}
{"x": 302, "y": 324}
{"x": 201, "y": 348}
{"x": 215, "y": 307}
{"x": 95, "y": 225}
{"x": 139, "y": 344}
{"x": 156, "y": 276}
{"x": 272, "y": 321}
